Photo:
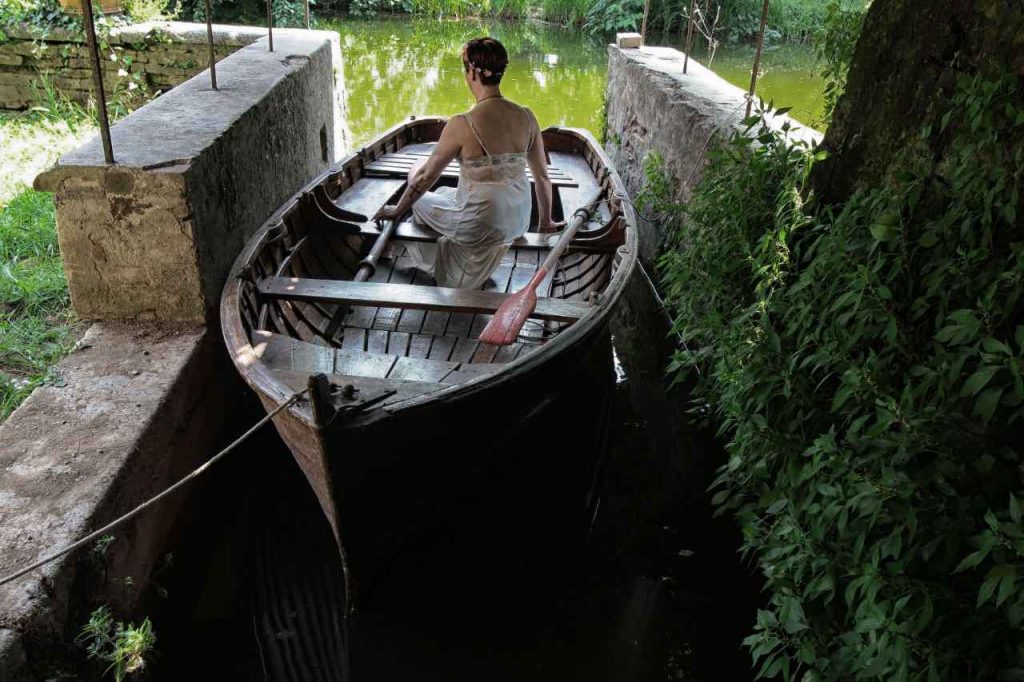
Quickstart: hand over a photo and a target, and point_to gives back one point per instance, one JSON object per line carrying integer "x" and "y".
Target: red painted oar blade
{"x": 503, "y": 329}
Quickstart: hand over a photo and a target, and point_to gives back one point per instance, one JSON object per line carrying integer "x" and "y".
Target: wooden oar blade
{"x": 504, "y": 327}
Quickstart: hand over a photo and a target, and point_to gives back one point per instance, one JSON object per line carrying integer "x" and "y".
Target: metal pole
{"x": 643, "y": 26}
{"x": 307, "y": 15}
{"x": 689, "y": 36}
{"x": 209, "y": 39}
{"x": 757, "y": 57}
{"x": 270, "y": 24}
{"x": 97, "y": 79}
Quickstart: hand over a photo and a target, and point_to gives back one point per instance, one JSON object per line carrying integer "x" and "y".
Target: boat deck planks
{"x": 415, "y": 369}
{"x": 363, "y": 363}
{"x": 398, "y": 164}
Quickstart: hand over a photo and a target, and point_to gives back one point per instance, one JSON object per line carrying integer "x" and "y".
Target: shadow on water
{"x": 656, "y": 593}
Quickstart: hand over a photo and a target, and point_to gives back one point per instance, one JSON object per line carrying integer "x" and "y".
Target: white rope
{"x": 149, "y": 503}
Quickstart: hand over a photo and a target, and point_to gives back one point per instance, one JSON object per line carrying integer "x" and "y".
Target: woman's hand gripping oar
{"x": 504, "y": 327}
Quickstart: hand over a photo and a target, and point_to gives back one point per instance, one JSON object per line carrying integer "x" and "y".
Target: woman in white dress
{"x": 494, "y": 142}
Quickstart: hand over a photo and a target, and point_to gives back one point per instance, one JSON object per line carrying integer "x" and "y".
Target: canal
{"x": 656, "y": 592}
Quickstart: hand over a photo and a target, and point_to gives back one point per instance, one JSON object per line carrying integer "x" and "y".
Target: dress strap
{"x": 476, "y": 134}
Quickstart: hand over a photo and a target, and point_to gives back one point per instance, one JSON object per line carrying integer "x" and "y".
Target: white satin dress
{"x": 478, "y": 220}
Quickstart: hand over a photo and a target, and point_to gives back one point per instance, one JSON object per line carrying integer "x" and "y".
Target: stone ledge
{"x": 137, "y": 407}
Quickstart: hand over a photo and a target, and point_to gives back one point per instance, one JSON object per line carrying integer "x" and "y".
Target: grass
{"x": 37, "y": 326}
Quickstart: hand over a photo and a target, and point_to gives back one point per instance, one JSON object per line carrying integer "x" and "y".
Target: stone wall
{"x": 653, "y": 106}
{"x": 197, "y": 171}
{"x": 139, "y": 404}
{"x": 154, "y": 56}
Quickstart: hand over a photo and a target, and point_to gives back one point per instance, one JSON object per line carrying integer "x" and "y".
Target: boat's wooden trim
{"x": 414, "y": 296}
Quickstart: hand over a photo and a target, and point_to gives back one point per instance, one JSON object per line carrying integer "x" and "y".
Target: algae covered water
{"x": 397, "y": 67}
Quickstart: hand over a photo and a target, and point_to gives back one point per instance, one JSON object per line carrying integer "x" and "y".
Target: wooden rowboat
{"x": 412, "y": 427}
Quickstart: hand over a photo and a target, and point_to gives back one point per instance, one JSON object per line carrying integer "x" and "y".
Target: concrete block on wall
{"x": 197, "y": 171}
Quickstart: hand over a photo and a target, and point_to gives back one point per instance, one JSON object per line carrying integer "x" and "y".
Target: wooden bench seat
{"x": 411, "y": 232}
{"x": 398, "y": 165}
{"x": 413, "y": 296}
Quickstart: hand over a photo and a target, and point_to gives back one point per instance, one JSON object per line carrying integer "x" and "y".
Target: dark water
{"x": 656, "y": 592}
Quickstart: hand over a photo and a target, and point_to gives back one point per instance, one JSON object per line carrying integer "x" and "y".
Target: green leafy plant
{"x": 834, "y": 44}
{"x": 609, "y": 16}
{"x": 864, "y": 363}
{"x": 123, "y": 647}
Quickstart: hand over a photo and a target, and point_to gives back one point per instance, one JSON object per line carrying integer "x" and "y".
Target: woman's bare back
{"x": 504, "y": 126}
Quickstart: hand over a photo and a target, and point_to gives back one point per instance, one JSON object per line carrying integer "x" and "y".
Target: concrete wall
{"x": 653, "y": 106}
{"x": 197, "y": 171}
{"x": 157, "y": 55}
{"x": 139, "y": 404}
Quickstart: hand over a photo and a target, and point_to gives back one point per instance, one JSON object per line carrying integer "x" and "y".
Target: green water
{"x": 400, "y": 66}
{"x": 789, "y": 76}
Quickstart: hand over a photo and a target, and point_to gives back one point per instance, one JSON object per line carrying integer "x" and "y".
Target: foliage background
{"x": 864, "y": 361}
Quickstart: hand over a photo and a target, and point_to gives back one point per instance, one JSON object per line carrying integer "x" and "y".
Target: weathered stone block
{"x": 137, "y": 408}
{"x": 629, "y": 40}
{"x": 197, "y": 172}
{"x": 11, "y": 59}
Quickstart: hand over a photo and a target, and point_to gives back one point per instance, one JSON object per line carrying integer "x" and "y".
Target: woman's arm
{"x": 538, "y": 162}
{"x": 423, "y": 177}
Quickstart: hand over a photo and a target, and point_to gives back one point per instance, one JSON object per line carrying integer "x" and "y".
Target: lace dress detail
{"x": 478, "y": 220}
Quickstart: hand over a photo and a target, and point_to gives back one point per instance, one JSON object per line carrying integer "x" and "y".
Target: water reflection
{"x": 398, "y": 67}
{"x": 401, "y": 66}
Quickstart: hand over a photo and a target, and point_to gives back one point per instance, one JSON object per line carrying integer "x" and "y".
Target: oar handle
{"x": 368, "y": 265}
{"x": 579, "y": 218}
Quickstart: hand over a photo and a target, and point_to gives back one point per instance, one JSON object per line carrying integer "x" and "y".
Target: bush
{"x": 865, "y": 365}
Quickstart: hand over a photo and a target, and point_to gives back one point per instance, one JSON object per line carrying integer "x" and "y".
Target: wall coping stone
{"x": 166, "y": 132}
{"x": 179, "y": 31}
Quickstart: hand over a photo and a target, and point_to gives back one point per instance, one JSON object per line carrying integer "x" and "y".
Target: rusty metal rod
{"x": 643, "y": 26}
{"x": 689, "y": 37}
{"x": 97, "y": 80}
{"x": 757, "y": 57}
{"x": 209, "y": 40}
{"x": 270, "y": 24}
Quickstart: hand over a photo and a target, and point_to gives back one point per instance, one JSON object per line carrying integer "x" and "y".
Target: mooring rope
{"x": 153, "y": 500}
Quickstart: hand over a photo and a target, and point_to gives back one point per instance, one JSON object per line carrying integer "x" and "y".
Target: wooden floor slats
{"x": 285, "y": 354}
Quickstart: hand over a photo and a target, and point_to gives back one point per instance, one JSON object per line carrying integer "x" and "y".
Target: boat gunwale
{"x": 261, "y": 379}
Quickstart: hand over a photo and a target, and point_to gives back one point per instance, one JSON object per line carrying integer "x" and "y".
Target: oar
{"x": 367, "y": 266}
{"x": 510, "y": 317}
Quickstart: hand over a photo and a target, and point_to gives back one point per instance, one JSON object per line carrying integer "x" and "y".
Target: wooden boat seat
{"x": 413, "y": 296}
{"x": 398, "y": 164}
{"x": 536, "y": 241}
{"x": 285, "y": 354}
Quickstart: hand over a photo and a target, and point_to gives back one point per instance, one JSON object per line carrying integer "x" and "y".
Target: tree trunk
{"x": 905, "y": 66}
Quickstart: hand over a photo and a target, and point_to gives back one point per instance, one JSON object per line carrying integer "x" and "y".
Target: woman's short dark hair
{"x": 487, "y": 57}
